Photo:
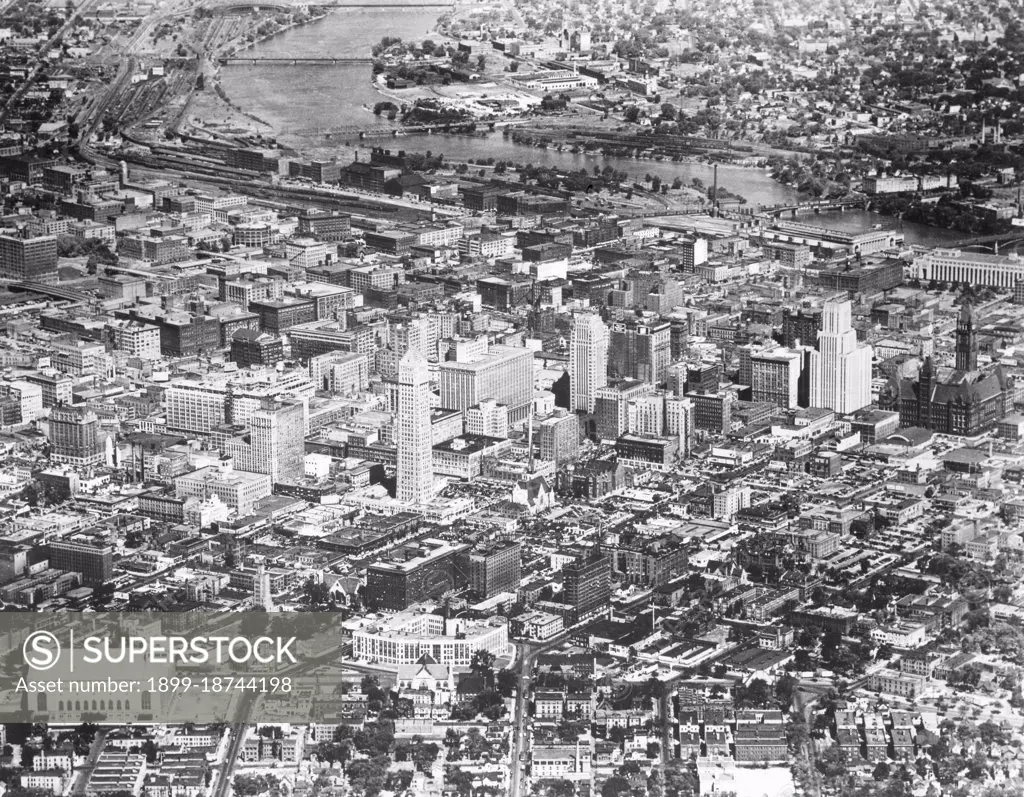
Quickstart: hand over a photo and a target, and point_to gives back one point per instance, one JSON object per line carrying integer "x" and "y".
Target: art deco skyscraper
{"x": 840, "y": 367}
{"x": 588, "y": 360}
{"x": 413, "y": 431}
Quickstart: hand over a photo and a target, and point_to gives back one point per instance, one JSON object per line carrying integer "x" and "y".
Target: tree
{"x": 615, "y": 786}
{"x": 991, "y": 733}
{"x": 150, "y": 750}
{"x": 668, "y": 112}
{"x": 28, "y": 754}
{"x": 832, "y": 762}
{"x": 756, "y": 694}
{"x": 506, "y": 683}
{"x": 31, "y": 494}
{"x": 881, "y": 771}
{"x": 784, "y": 688}
{"x": 678, "y": 779}
{"x": 482, "y": 664}
{"x": 367, "y": 776}
{"x": 631, "y": 114}
{"x": 797, "y": 735}
{"x": 316, "y": 592}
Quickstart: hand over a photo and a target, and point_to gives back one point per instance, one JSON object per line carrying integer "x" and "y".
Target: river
{"x": 860, "y": 220}
{"x": 303, "y": 102}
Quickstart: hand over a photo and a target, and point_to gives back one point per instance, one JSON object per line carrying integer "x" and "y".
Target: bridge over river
{"x": 298, "y": 61}
{"x": 242, "y": 7}
{"x": 818, "y": 206}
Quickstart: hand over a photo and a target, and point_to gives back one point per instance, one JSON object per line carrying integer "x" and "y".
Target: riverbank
{"x": 322, "y": 120}
{"x": 212, "y": 101}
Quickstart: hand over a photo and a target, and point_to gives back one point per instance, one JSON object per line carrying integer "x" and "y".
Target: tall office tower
{"x": 800, "y": 327}
{"x": 745, "y": 376}
{"x": 494, "y": 567}
{"x": 675, "y": 377}
{"x": 679, "y": 420}
{"x": 775, "y": 376}
{"x": 704, "y": 377}
{"x": 503, "y": 373}
{"x": 74, "y": 436}
{"x": 645, "y": 415}
{"x": 342, "y": 372}
{"x": 588, "y": 360}
{"x": 640, "y": 350}
{"x": 29, "y": 259}
{"x": 966, "y": 340}
{"x": 413, "y": 431}
{"x": 840, "y": 367}
{"x": 195, "y": 407}
{"x": 611, "y": 406}
{"x": 277, "y": 444}
{"x": 559, "y": 436}
{"x": 415, "y": 334}
{"x": 586, "y": 584}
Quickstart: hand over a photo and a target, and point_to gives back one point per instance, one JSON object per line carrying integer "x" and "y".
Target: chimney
{"x": 714, "y": 193}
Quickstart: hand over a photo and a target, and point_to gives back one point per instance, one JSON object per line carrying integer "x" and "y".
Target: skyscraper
{"x": 503, "y": 373}
{"x": 640, "y": 350}
{"x": 276, "y": 441}
{"x": 611, "y": 406}
{"x": 74, "y": 436}
{"x": 559, "y": 436}
{"x": 775, "y": 376}
{"x": 588, "y": 360}
{"x": 29, "y": 259}
{"x": 840, "y": 367}
{"x": 413, "y": 431}
{"x": 586, "y": 584}
{"x": 679, "y": 420}
{"x": 494, "y": 567}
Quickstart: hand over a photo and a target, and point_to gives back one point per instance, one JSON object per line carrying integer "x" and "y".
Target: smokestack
{"x": 529, "y": 437}
{"x": 124, "y": 173}
{"x": 714, "y": 193}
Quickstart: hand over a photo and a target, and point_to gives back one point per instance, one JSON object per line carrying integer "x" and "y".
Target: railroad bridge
{"x": 245, "y": 7}
{"x": 298, "y": 61}
{"x": 822, "y": 206}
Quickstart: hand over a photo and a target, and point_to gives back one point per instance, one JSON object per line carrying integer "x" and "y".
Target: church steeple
{"x": 966, "y": 340}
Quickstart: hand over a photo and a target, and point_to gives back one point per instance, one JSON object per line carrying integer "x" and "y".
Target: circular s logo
{"x": 41, "y": 650}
